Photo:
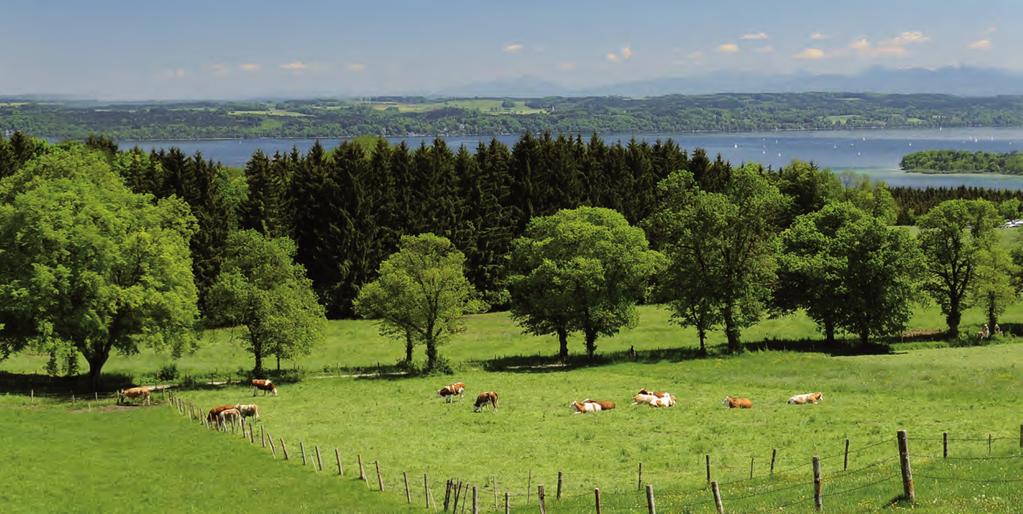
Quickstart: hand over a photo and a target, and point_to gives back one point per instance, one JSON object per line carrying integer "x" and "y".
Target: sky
{"x": 133, "y": 50}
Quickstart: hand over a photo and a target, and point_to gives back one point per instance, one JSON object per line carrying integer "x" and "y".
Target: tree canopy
{"x": 580, "y": 270}
{"x": 89, "y": 265}
{"x": 421, "y": 293}
{"x": 262, "y": 289}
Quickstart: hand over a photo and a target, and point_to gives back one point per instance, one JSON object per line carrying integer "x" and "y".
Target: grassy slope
{"x": 106, "y": 459}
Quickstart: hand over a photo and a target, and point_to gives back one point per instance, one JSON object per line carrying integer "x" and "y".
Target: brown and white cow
{"x": 489, "y": 397}
{"x": 449, "y": 392}
{"x": 734, "y": 402}
{"x": 248, "y": 411}
{"x": 214, "y": 413}
{"x": 592, "y": 406}
{"x": 231, "y": 415}
{"x": 264, "y": 385}
{"x": 134, "y": 392}
{"x": 803, "y": 399}
{"x": 654, "y": 398}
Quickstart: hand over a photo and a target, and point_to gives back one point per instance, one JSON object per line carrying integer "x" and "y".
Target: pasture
{"x": 924, "y": 387}
{"x": 482, "y": 105}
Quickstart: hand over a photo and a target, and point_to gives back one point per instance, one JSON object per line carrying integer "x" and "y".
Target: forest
{"x": 400, "y": 116}
{"x": 958, "y": 161}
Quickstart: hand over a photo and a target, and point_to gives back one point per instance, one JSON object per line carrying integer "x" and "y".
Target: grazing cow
{"x": 133, "y": 392}
{"x": 483, "y": 399}
{"x": 449, "y": 392}
{"x": 214, "y": 413}
{"x": 264, "y": 385}
{"x": 738, "y": 403}
{"x": 802, "y": 399}
{"x": 231, "y": 415}
{"x": 998, "y": 330}
{"x": 248, "y": 411}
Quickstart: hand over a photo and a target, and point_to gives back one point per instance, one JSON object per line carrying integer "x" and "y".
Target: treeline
{"x": 672, "y": 113}
{"x": 915, "y": 202}
{"x": 958, "y": 161}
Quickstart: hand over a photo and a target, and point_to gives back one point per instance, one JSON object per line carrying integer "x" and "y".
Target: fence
{"x": 857, "y": 467}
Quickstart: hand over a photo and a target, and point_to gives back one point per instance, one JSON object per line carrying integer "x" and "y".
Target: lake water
{"x": 875, "y": 153}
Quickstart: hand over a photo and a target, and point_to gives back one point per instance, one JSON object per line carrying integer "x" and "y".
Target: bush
{"x": 168, "y": 372}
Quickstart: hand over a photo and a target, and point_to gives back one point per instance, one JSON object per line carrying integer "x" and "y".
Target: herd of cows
{"x": 234, "y": 412}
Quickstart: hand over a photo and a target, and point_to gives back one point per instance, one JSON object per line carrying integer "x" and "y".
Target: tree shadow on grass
{"x": 45, "y": 385}
{"x": 551, "y": 363}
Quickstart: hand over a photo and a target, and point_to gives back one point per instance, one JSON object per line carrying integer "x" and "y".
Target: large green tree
{"x": 721, "y": 245}
{"x": 993, "y": 289}
{"x": 849, "y": 270}
{"x": 580, "y": 269}
{"x": 261, "y": 288}
{"x": 87, "y": 264}
{"x": 953, "y": 236}
{"x": 421, "y": 294}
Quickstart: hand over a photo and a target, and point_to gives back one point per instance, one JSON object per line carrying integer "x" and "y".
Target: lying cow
{"x": 449, "y": 392}
{"x": 654, "y": 399}
{"x": 489, "y": 397}
{"x": 264, "y": 385}
{"x": 802, "y": 399}
{"x": 592, "y": 406}
{"x": 738, "y": 403}
{"x": 248, "y": 411}
{"x": 134, "y": 392}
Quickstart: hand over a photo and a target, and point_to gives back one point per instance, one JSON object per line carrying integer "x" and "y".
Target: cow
{"x": 655, "y": 398}
{"x": 802, "y": 399}
{"x": 214, "y": 413}
{"x": 489, "y": 397}
{"x": 264, "y": 385}
{"x": 592, "y": 406}
{"x": 231, "y": 415}
{"x": 248, "y": 411}
{"x": 134, "y": 392}
{"x": 450, "y": 391}
{"x": 738, "y": 403}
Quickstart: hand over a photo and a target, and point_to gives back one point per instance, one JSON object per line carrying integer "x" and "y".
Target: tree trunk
{"x": 562, "y": 344}
{"x": 258, "y": 370}
{"x": 431, "y": 352}
{"x": 278, "y": 362}
{"x": 952, "y": 319}
{"x": 96, "y": 357}
{"x": 992, "y": 315}
{"x": 864, "y": 337}
{"x": 703, "y": 340}
{"x": 731, "y": 330}
{"x": 829, "y": 332}
{"x": 591, "y": 342}
{"x": 409, "y": 344}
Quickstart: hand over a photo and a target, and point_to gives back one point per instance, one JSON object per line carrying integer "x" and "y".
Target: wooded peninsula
{"x": 958, "y": 161}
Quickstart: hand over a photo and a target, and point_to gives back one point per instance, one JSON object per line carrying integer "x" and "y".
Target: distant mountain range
{"x": 953, "y": 80}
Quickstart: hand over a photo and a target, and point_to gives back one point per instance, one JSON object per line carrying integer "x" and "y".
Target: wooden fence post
{"x": 774, "y": 453}
{"x": 273, "y": 450}
{"x": 529, "y": 486}
{"x": 408, "y": 494}
{"x": 301, "y": 451}
{"x": 507, "y": 503}
{"x": 944, "y": 445}
{"x": 708, "y": 468}
{"x": 907, "y": 473}
{"x": 845, "y": 463}
{"x": 989, "y": 444}
{"x": 494, "y": 485}
{"x": 475, "y": 501}
{"x": 337, "y": 459}
{"x": 465, "y": 497}
{"x": 559, "y": 486}
{"x": 284, "y": 449}
{"x": 262, "y": 436}
{"x": 362, "y": 470}
{"x": 650, "y": 507}
{"x": 751, "y": 467}
{"x": 454, "y": 501}
{"x": 447, "y": 494}
{"x": 319, "y": 461}
{"x": 717, "y": 497}
{"x": 540, "y": 499}
{"x": 380, "y": 479}
{"x": 639, "y": 478}
{"x": 1021, "y": 436}
{"x": 817, "y": 484}
{"x": 252, "y": 435}
{"x": 596, "y": 499}
{"x": 426, "y": 490}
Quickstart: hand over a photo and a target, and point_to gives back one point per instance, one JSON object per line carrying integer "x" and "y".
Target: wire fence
{"x": 453, "y": 494}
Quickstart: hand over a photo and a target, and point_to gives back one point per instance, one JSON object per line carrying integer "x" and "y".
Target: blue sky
{"x": 229, "y": 49}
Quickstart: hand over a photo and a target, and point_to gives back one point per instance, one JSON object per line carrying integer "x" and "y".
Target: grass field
{"x": 103, "y": 458}
{"x": 483, "y": 105}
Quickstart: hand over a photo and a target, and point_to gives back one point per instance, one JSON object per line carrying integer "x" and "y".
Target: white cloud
{"x": 613, "y": 57}
{"x": 764, "y": 49}
{"x": 249, "y": 66}
{"x": 906, "y": 38}
{"x": 755, "y": 36}
{"x": 294, "y": 66}
{"x": 512, "y": 48}
{"x": 819, "y": 36}
{"x": 728, "y": 48}
{"x": 357, "y": 67}
{"x": 566, "y": 66}
{"x": 980, "y": 44}
{"x": 860, "y": 44}
{"x": 627, "y": 52}
{"x": 811, "y": 54}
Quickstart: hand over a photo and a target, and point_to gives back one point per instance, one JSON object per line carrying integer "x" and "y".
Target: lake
{"x": 875, "y": 153}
